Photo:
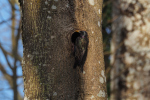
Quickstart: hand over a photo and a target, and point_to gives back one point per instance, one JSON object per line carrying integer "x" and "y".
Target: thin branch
{"x": 7, "y": 76}
{"x": 5, "y": 54}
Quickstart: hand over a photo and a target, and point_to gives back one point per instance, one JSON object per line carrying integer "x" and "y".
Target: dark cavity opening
{"x": 74, "y": 37}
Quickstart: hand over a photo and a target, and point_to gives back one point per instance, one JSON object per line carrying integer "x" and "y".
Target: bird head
{"x": 83, "y": 34}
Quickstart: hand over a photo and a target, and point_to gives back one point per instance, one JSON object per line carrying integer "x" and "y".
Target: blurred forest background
{"x": 126, "y": 44}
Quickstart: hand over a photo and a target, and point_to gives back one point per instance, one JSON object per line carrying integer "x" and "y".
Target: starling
{"x": 80, "y": 49}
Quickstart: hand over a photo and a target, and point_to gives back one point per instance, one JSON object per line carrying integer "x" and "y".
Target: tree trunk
{"x": 48, "y": 51}
{"x": 130, "y": 50}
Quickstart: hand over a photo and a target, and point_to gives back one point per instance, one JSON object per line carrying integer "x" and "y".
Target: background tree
{"x": 130, "y": 50}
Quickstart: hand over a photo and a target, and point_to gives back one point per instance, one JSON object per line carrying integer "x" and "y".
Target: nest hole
{"x": 74, "y": 37}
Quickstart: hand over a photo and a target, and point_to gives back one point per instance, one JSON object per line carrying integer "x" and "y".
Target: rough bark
{"x": 130, "y": 50}
{"x": 48, "y": 57}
